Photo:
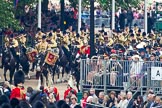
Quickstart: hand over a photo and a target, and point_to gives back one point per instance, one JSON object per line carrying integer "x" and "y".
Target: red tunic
{"x": 55, "y": 90}
{"x": 84, "y": 50}
{"x": 66, "y": 93}
{"x": 18, "y": 93}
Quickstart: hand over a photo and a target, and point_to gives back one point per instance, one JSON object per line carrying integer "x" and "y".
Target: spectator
{"x": 139, "y": 103}
{"x": 3, "y": 99}
{"x": 6, "y": 105}
{"x": 73, "y": 101}
{"x": 89, "y": 103}
{"x": 68, "y": 100}
{"x": 24, "y": 104}
{"x": 123, "y": 102}
{"x": 105, "y": 101}
{"x": 14, "y": 102}
{"x": 157, "y": 102}
{"x": 122, "y": 20}
{"x": 130, "y": 100}
{"x": 92, "y": 93}
{"x": 51, "y": 105}
{"x": 129, "y": 17}
{"x": 101, "y": 97}
{"x": 84, "y": 99}
{"x": 29, "y": 93}
{"x": 111, "y": 102}
{"x": 39, "y": 104}
{"x": 6, "y": 88}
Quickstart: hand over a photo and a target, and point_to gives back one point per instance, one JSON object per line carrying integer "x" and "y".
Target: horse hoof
{"x": 29, "y": 77}
{"x": 58, "y": 81}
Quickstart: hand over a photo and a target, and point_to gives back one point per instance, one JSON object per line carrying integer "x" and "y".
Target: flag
{"x": 16, "y": 3}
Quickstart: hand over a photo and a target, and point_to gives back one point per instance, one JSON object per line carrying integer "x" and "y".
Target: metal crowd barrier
{"x": 116, "y": 75}
{"x": 106, "y": 21}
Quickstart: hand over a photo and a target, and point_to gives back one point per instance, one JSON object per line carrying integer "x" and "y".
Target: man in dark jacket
{"x": 129, "y": 17}
{"x": 130, "y": 100}
{"x": 122, "y": 20}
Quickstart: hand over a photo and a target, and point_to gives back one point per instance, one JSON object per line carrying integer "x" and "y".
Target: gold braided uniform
{"x": 7, "y": 41}
{"x": 14, "y": 44}
{"x": 38, "y": 36}
{"x": 110, "y": 42}
{"x": 66, "y": 42}
{"x": 42, "y": 46}
{"x": 52, "y": 43}
{"x": 79, "y": 42}
{"x": 136, "y": 29}
{"x": 22, "y": 40}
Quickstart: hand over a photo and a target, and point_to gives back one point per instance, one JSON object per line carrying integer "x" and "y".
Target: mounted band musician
{"x": 14, "y": 47}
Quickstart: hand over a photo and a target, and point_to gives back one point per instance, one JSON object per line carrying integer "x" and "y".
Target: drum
{"x": 32, "y": 55}
{"x": 51, "y": 58}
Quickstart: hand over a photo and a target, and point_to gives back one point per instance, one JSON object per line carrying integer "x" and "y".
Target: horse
{"x": 62, "y": 62}
{"x": 8, "y": 63}
{"x": 24, "y": 62}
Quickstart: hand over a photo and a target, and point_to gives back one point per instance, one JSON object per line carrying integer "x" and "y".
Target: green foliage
{"x": 20, "y": 9}
{"x": 7, "y": 17}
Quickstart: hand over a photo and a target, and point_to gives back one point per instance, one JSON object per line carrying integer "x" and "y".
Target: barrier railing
{"x": 117, "y": 75}
{"x": 106, "y": 21}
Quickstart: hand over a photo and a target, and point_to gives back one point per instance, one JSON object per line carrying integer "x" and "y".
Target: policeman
{"x": 42, "y": 46}
{"x": 51, "y": 42}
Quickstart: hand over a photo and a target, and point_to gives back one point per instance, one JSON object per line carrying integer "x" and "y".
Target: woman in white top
{"x": 73, "y": 101}
{"x": 123, "y": 102}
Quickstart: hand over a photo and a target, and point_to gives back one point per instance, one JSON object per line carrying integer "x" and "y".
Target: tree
{"x": 7, "y": 17}
{"x": 20, "y": 8}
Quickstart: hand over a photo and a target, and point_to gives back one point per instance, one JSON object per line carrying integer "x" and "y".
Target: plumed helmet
{"x": 19, "y": 77}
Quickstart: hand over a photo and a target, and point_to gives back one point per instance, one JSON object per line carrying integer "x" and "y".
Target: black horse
{"x": 8, "y": 63}
{"x": 63, "y": 61}
{"x": 24, "y": 62}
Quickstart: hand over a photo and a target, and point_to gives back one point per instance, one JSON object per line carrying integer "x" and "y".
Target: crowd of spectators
{"x": 89, "y": 99}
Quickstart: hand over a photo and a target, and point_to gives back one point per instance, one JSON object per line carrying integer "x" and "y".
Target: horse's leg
{"x": 4, "y": 74}
{"x": 77, "y": 85}
{"x": 11, "y": 74}
{"x": 63, "y": 71}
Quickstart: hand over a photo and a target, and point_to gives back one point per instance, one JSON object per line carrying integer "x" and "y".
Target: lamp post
{"x": 62, "y": 14}
{"x": 113, "y": 15}
{"x": 39, "y": 13}
{"x": 79, "y": 16}
{"x": 92, "y": 49}
{"x": 145, "y": 27}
